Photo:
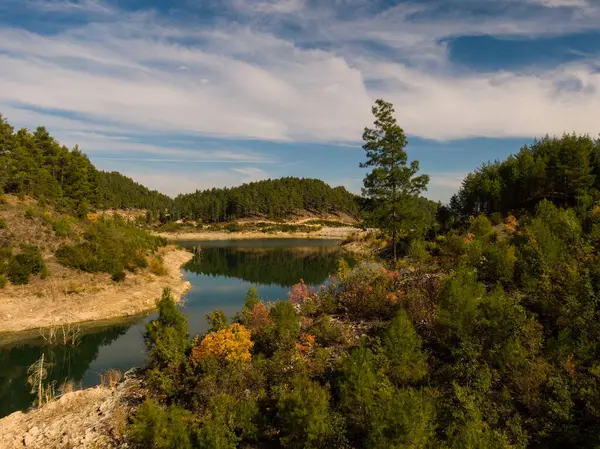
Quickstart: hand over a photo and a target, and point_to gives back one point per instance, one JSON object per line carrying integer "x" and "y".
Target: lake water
{"x": 220, "y": 274}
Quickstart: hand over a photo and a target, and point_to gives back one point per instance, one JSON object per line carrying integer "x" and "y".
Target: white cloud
{"x": 561, "y": 3}
{"x": 245, "y": 82}
{"x": 175, "y": 183}
{"x": 442, "y": 185}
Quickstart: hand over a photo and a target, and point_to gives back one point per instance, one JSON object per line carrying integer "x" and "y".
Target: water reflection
{"x": 64, "y": 363}
{"x": 220, "y": 275}
{"x": 265, "y": 263}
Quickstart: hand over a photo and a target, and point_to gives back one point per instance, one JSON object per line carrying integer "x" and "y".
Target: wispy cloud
{"x": 259, "y": 81}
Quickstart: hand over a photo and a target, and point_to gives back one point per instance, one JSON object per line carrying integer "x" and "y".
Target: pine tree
{"x": 392, "y": 184}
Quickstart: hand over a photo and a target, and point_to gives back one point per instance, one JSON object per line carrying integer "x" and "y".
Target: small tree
{"x": 392, "y": 185}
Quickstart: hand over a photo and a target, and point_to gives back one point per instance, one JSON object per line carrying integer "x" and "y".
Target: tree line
{"x": 272, "y": 198}
{"x": 37, "y": 165}
{"x": 564, "y": 170}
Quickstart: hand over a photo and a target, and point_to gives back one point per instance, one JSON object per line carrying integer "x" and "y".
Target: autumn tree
{"x": 392, "y": 185}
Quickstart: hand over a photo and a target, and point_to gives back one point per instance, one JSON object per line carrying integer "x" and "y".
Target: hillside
{"x": 57, "y": 269}
{"x": 273, "y": 198}
{"x": 37, "y": 165}
{"x": 563, "y": 170}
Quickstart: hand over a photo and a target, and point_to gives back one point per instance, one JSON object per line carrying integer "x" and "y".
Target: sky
{"x": 191, "y": 94}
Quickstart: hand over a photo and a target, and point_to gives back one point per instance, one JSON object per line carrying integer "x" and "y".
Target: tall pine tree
{"x": 392, "y": 186}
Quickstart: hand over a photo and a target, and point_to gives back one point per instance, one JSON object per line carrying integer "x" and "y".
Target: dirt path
{"x": 84, "y": 298}
{"x": 323, "y": 233}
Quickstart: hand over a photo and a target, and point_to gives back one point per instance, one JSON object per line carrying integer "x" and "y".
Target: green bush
{"x": 110, "y": 247}
{"x": 119, "y": 276}
{"x": 24, "y": 264}
{"x": 29, "y": 213}
{"x": 326, "y": 331}
{"x": 481, "y": 226}
{"x": 417, "y": 250}
{"x": 233, "y": 227}
{"x": 303, "y": 413}
{"x": 403, "y": 349}
{"x": 3, "y": 281}
{"x": 3, "y": 223}
{"x": 496, "y": 218}
{"x": 61, "y": 228}
{"x": 158, "y": 428}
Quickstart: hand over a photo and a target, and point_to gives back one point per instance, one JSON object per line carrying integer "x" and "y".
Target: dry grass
{"x": 111, "y": 378}
{"x": 156, "y": 266}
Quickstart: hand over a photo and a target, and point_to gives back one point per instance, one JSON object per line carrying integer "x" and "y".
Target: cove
{"x": 220, "y": 274}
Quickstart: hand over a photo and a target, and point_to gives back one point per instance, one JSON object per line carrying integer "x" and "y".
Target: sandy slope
{"x": 92, "y": 418}
{"x": 87, "y": 297}
{"x": 324, "y": 233}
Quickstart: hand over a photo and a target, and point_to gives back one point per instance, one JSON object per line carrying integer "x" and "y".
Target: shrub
{"x": 109, "y": 247}
{"x": 216, "y": 320}
{"x": 496, "y": 218}
{"x": 417, "y": 250}
{"x": 286, "y": 324}
{"x": 119, "y": 276}
{"x": 28, "y": 262}
{"x": 61, "y": 228}
{"x": 3, "y": 224}
{"x": 166, "y": 341}
{"x": 303, "y": 413}
{"x": 481, "y": 226}
{"x": 326, "y": 331}
{"x": 369, "y": 291}
{"x": 3, "y": 281}
{"x": 233, "y": 227}
{"x": 402, "y": 346}
{"x": 158, "y": 428}
{"x": 29, "y": 214}
{"x": 232, "y": 344}
{"x": 157, "y": 266}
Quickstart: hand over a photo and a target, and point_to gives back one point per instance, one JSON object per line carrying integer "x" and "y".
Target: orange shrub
{"x": 259, "y": 318}
{"x": 232, "y": 344}
{"x": 511, "y": 224}
{"x": 306, "y": 343}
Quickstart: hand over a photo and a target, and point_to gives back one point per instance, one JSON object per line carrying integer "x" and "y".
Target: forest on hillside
{"x": 563, "y": 170}
{"x": 37, "y": 165}
{"x": 272, "y": 198}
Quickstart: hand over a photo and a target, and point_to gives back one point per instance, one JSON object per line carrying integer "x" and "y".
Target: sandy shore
{"x": 324, "y": 233}
{"x": 95, "y": 298}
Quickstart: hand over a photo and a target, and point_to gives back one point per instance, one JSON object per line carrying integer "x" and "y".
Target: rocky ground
{"x": 88, "y": 419}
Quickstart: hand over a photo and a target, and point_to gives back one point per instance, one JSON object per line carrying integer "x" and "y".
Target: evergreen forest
{"x": 272, "y": 198}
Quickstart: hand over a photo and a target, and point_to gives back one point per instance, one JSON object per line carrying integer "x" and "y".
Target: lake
{"x": 220, "y": 273}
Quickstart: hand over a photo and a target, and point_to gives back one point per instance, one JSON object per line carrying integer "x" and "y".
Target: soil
{"x": 68, "y": 297}
{"x": 323, "y": 233}
{"x": 91, "y": 418}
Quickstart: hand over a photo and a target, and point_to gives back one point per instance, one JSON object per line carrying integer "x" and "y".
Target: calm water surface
{"x": 220, "y": 273}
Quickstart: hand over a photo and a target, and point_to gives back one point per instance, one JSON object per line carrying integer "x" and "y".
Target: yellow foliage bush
{"x": 511, "y": 224}
{"x": 92, "y": 218}
{"x": 232, "y": 343}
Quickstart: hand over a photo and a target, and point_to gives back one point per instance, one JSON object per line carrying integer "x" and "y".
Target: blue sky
{"x": 189, "y": 94}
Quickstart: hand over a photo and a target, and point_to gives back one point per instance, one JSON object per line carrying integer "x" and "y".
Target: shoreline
{"x": 324, "y": 233}
{"x": 96, "y": 305}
